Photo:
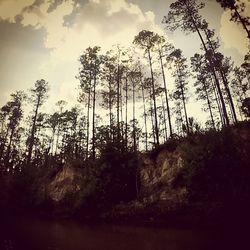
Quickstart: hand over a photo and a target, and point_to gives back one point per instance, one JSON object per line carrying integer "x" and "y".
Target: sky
{"x": 43, "y": 39}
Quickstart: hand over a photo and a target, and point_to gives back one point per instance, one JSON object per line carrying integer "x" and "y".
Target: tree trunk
{"x": 33, "y": 130}
{"x": 88, "y": 114}
{"x": 213, "y": 72}
{"x": 183, "y": 97}
{"x": 110, "y": 106}
{"x": 224, "y": 79}
{"x": 154, "y": 99}
{"x": 164, "y": 118}
{"x": 118, "y": 101}
{"x": 134, "y": 135}
{"x": 93, "y": 118}
{"x": 126, "y": 115}
{"x": 209, "y": 104}
{"x": 152, "y": 115}
{"x": 7, "y": 157}
{"x": 242, "y": 22}
{"x": 166, "y": 95}
{"x": 145, "y": 115}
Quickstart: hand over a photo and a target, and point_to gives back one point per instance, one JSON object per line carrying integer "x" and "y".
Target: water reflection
{"x": 47, "y": 235}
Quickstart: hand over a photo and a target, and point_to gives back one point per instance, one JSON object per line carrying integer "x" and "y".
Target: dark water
{"x": 27, "y": 234}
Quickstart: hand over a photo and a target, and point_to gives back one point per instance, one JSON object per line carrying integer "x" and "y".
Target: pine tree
{"x": 38, "y": 96}
{"x": 147, "y": 40}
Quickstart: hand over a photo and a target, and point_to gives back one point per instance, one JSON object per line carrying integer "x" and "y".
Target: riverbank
{"x": 197, "y": 181}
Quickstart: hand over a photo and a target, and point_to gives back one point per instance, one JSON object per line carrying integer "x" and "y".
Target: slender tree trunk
{"x": 110, "y": 106}
{"x": 152, "y": 115}
{"x": 181, "y": 118}
{"x": 57, "y": 136}
{"x": 145, "y": 115}
{"x": 154, "y": 99}
{"x": 183, "y": 97}
{"x": 7, "y": 157}
{"x": 52, "y": 141}
{"x": 164, "y": 118}
{"x": 88, "y": 114}
{"x": 118, "y": 100}
{"x": 93, "y": 128}
{"x": 242, "y": 22}
{"x": 209, "y": 104}
{"x": 224, "y": 79}
{"x": 231, "y": 103}
{"x": 213, "y": 72}
{"x": 121, "y": 114}
{"x": 216, "y": 95}
{"x": 134, "y": 135}
{"x": 126, "y": 115}
{"x": 185, "y": 110}
{"x": 166, "y": 95}
{"x": 33, "y": 130}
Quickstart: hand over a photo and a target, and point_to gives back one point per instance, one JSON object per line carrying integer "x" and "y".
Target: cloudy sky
{"x": 44, "y": 38}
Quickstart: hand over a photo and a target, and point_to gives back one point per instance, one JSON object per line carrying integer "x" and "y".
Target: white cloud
{"x": 233, "y": 35}
{"x": 101, "y": 23}
{"x": 9, "y": 9}
{"x": 98, "y": 22}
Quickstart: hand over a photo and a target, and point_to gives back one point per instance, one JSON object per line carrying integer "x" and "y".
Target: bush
{"x": 217, "y": 165}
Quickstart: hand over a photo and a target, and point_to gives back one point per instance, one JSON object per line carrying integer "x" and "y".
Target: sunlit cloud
{"x": 233, "y": 35}
{"x": 10, "y": 9}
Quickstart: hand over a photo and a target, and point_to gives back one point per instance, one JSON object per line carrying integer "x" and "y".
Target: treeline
{"x": 125, "y": 99}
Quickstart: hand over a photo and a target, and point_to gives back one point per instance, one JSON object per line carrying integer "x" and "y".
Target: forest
{"x": 126, "y": 107}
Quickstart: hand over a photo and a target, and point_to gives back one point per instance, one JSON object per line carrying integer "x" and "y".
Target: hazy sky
{"x": 44, "y": 38}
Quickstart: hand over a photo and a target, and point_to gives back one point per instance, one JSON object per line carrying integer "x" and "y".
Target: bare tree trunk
{"x": 88, "y": 114}
{"x": 166, "y": 95}
{"x": 154, "y": 99}
{"x": 224, "y": 79}
{"x": 126, "y": 115}
{"x": 7, "y": 157}
{"x": 209, "y": 104}
{"x": 93, "y": 114}
{"x": 213, "y": 72}
{"x": 152, "y": 115}
{"x": 183, "y": 98}
{"x": 164, "y": 119}
{"x": 218, "y": 103}
{"x": 242, "y": 22}
{"x": 134, "y": 135}
{"x": 33, "y": 130}
{"x": 118, "y": 100}
{"x": 145, "y": 115}
{"x": 110, "y": 106}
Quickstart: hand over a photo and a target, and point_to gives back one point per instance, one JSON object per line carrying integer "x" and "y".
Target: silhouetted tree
{"x": 203, "y": 85}
{"x": 181, "y": 74}
{"x": 38, "y": 97}
{"x": 184, "y": 14}
{"x": 147, "y": 40}
{"x": 12, "y": 111}
{"x": 164, "y": 49}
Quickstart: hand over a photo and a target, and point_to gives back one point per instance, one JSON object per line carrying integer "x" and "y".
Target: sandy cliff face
{"x": 68, "y": 181}
{"x": 161, "y": 179}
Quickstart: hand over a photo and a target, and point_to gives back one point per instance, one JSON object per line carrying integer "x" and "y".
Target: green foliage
{"x": 217, "y": 165}
{"x": 111, "y": 179}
